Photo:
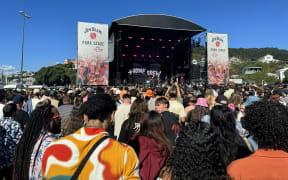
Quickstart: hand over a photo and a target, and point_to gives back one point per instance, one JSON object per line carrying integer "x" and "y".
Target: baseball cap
{"x": 149, "y": 93}
{"x": 17, "y": 99}
{"x": 221, "y": 99}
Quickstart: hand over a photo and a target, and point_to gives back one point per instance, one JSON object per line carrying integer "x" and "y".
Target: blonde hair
{"x": 210, "y": 98}
{"x": 235, "y": 99}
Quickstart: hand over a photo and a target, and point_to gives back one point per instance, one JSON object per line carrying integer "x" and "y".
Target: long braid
{"x": 39, "y": 119}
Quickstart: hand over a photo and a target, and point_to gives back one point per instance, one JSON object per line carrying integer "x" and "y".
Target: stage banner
{"x": 93, "y": 65}
{"x": 217, "y": 58}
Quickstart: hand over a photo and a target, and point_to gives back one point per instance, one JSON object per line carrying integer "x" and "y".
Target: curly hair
{"x": 99, "y": 106}
{"x": 197, "y": 154}
{"x": 267, "y": 122}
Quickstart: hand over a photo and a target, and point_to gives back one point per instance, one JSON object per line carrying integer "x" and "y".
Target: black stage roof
{"x": 157, "y": 21}
{"x": 153, "y": 42}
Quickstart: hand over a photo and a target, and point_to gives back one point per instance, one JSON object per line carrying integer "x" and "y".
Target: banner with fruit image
{"x": 92, "y": 52}
{"x": 217, "y": 58}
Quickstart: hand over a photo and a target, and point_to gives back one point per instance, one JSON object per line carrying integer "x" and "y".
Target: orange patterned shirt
{"x": 111, "y": 159}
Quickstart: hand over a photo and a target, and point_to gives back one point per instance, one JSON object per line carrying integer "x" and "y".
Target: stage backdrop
{"x": 93, "y": 66}
{"x": 217, "y": 57}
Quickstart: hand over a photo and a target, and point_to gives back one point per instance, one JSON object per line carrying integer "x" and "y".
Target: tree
{"x": 59, "y": 74}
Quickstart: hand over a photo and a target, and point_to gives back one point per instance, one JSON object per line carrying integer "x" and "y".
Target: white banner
{"x": 93, "y": 68}
{"x": 217, "y": 58}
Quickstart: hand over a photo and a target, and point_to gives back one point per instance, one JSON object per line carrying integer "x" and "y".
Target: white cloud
{"x": 7, "y": 68}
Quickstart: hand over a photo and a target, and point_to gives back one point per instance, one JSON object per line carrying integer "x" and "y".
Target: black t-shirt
{"x": 172, "y": 125}
{"x": 127, "y": 133}
{"x": 22, "y": 117}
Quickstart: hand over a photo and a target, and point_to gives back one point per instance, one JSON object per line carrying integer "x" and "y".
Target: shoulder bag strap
{"x": 84, "y": 161}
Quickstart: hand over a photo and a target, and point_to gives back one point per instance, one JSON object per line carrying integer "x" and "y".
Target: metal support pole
{"x": 24, "y": 16}
{"x": 21, "y": 80}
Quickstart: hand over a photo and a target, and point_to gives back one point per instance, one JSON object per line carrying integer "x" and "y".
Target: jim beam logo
{"x": 217, "y": 40}
{"x": 93, "y": 32}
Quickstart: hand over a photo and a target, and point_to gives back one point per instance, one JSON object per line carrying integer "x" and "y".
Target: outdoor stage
{"x": 151, "y": 48}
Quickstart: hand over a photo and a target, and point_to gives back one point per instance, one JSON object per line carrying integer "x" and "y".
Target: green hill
{"x": 236, "y": 69}
{"x": 248, "y": 58}
{"x": 247, "y": 54}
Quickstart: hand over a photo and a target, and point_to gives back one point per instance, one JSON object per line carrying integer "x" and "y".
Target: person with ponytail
{"x": 152, "y": 146}
{"x": 41, "y": 130}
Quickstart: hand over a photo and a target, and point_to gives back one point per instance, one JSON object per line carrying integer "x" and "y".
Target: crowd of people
{"x": 176, "y": 131}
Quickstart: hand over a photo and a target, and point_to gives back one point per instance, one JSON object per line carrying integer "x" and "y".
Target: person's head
{"x": 137, "y": 112}
{"x": 10, "y": 97}
{"x": 133, "y": 92}
{"x": 173, "y": 93}
{"x": 43, "y": 119}
{"x": 276, "y": 95}
{"x": 221, "y": 100}
{"x": 153, "y": 127}
{"x": 53, "y": 93}
{"x": 159, "y": 91}
{"x": 197, "y": 154}
{"x": 46, "y": 93}
{"x": 222, "y": 117}
{"x": 43, "y": 102}
{"x": 161, "y": 104}
{"x": 209, "y": 95}
{"x": 126, "y": 99}
{"x": 149, "y": 93}
{"x": 99, "y": 107}
{"x": 138, "y": 109}
{"x": 66, "y": 99}
{"x": 192, "y": 100}
{"x": 235, "y": 99}
{"x": 74, "y": 121}
{"x": 267, "y": 122}
{"x": 9, "y": 110}
{"x": 123, "y": 92}
{"x": 197, "y": 114}
{"x": 55, "y": 124}
{"x": 260, "y": 92}
{"x": 36, "y": 92}
{"x": 18, "y": 100}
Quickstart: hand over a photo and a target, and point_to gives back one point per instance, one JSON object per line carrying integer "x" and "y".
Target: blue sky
{"x": 51, "y": 34}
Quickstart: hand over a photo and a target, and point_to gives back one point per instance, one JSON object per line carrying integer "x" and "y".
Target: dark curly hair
{"x": 267, "y": 121}
{"x": 99, "y": 106}
{"x": 197, "y": 154}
